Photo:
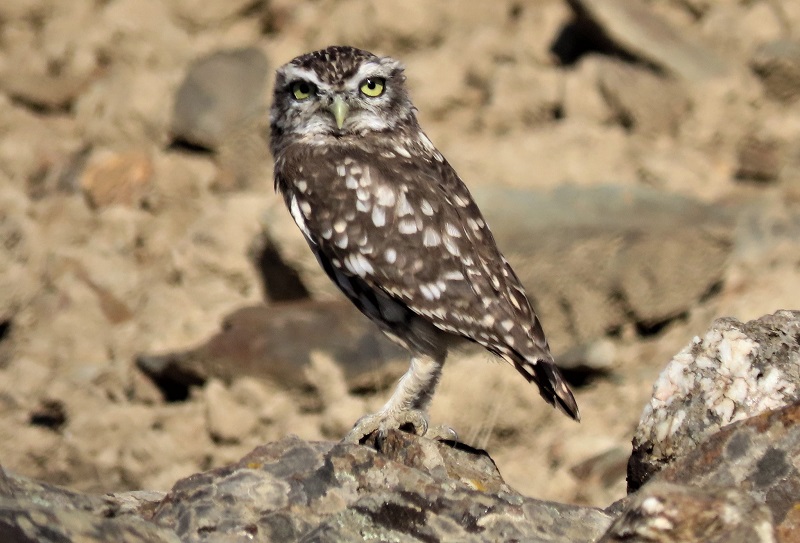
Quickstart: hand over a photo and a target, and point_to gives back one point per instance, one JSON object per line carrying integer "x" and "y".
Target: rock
{"x": 45, "y": 92}
{"x": 17, "y": 9}
{"x": 759, "y": 158}
{"x": 596, "y": 259}
{"x": 5, "y": 483}
{"x": 777, "y": 63}
{"x": 631, "y": 26}
{"x": 277, "y": 342}
{"x": 32, "y": 512}
{"x": 228, "y": 420}
{"x": 737, "y": 370}
{"x": 221, "y": 106}
{"x": 200, "y": 13}
{"x": 47, "y": 75}
{"x": 221, "y": 92}
{"x": 589, "y": 359}
{"x": 582, "y": 98}
{"x": 738, "y": 29}
{"x": 414, "y": 490}
{"x": 19, "y": 254}
{"x": 604, "y": 468}
{"x": 26, "y": 522}
{"x": 537, "y": 105}
{"x": 642, "y": 101}
{"x": 126, "y": 108}
{"x": 666, "y": 513}
{"x": 117, "y": 178}
{"x": 756, "y": 456}
{"x": 384, "y": 25}
{"x": 145, "y": 37}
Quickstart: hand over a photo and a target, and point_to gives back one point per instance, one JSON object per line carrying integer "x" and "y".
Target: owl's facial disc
{"x": 332, "y": 94}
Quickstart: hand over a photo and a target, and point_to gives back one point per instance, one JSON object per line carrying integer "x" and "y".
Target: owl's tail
{"x": 552, "y": 386}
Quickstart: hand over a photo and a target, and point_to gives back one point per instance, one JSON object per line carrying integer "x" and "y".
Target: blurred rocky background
{"x": 639, "y": 162}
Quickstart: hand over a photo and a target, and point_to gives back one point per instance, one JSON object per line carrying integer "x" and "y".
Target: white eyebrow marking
{"x": 293, "y": 73}
{"x": 370, "y": 68}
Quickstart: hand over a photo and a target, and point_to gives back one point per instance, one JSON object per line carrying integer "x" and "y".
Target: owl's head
{"x": 339, "y": 91}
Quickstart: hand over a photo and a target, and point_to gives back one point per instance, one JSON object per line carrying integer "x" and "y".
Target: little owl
{"x": 395, "y": 228}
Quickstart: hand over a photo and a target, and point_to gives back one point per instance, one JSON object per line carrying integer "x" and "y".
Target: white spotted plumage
{"x": 395, "y": 228}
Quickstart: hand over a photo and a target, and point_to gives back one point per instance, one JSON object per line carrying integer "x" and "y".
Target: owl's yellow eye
{"x": 302, "y": 90}
{"x": 373, "y": 86}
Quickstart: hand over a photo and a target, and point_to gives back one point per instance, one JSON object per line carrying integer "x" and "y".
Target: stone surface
{"x": 599, "y": 258}
{"x": 229, "y": 421}
{"x": 635, "y": 29}
{"x": 755, "y": 456}
{"x": 413, "y": 490}
{"x": 48, "y": 93}
{"x": 642, "y": 101}
{"x": 112, "y": 178}
{"x": 201, "y": 13}
{"x": 32, "y": 512}
{"x": 222, "y": 92}
{"x": 277, "y": 343}
{"x": 759, "y": 158}
{"x": 777, "y": 63}
{"x": 737, "y": 370}
{"x": 18, "y": 253}
{"x": 667, "y": 513}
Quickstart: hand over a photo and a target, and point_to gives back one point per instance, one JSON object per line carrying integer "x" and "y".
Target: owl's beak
{"x": 339, "y": 109}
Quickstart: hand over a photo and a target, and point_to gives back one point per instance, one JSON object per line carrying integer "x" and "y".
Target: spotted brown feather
{"x": 396, "y": 229}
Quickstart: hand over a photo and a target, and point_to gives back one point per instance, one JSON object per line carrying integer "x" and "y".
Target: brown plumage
{"x": 396, "y": 229}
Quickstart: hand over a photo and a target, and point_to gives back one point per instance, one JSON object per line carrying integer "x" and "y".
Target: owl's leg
{"x": 409, "y": 403}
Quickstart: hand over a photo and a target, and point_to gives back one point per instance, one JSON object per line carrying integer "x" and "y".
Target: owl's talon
{"x": 382, "y": 422}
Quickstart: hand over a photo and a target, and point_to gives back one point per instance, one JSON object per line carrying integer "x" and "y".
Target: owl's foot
{"x": 409, "y": 420}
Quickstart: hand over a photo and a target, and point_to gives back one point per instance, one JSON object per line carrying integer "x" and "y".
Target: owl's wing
{"x": 409, "y": 228}
{"x": 402, "y": 236}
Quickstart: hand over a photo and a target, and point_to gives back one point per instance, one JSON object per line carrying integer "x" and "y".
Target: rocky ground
{"x": 159, "y": 314}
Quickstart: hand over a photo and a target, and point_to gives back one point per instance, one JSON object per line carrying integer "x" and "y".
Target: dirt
{"x": 118, "y": 240}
